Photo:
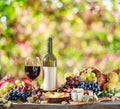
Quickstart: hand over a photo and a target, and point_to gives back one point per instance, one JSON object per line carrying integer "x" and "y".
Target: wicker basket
{"x": 117, "y": 71}
{"x": 101, "y": 78}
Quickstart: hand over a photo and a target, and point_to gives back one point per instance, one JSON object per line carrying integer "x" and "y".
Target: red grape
{"x": 37, "y": 89}
{"x": 39, "y": 94}
{"x": 25, "y": 89}
{"x": 71, "y": 82}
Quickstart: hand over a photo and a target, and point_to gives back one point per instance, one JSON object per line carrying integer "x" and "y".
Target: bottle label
{"x": 49, "y": 81}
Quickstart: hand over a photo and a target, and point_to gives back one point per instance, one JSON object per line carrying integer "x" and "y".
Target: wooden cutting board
{"x": 90, "y": 102}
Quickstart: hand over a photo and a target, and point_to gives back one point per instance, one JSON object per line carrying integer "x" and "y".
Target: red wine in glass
{"x": 32, "y": 71}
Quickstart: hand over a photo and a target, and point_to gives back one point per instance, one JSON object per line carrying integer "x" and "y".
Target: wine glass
{"x": 32, "y": 69}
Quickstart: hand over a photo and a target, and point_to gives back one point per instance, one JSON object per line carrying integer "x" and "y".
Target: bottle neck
{"x": 49, "y": 45}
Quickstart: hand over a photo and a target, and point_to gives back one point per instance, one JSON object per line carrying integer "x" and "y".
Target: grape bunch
{"x": 7, "y": 87}
{"x": 89, "y": 76}
{"x": 89, "y": 86}
{"x": 15, "y": 95}
{"x": 71, "y": 82}
{"x": 22, "y": 92}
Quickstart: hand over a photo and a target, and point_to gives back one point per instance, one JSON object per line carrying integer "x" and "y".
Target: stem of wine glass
{"x": 33, "y": 90}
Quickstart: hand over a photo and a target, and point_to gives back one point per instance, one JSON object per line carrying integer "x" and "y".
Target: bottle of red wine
{"x": 49, "y": 69}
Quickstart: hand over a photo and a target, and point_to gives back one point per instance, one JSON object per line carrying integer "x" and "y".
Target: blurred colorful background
{"x": 85, "y": 33}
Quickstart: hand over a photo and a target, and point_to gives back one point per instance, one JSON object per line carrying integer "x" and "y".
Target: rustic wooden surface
{"x": 102, "y": 105}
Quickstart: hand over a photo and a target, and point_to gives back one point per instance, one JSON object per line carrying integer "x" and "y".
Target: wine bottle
{"x": 49, "y": 69}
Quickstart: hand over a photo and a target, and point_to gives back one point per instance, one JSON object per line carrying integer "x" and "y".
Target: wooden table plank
{"x": 103, "y": 105}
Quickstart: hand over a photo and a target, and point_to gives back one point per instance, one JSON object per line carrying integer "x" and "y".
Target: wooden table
{"x": 102, "y": 105}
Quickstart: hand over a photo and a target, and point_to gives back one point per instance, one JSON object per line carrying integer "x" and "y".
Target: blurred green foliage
{"x": 85, "y": 33}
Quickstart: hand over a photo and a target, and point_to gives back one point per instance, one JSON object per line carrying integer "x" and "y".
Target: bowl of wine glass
{"x": 32, "y": 71}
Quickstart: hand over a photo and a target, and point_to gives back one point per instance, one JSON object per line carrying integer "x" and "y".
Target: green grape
{"x": 83, "y": 77}
{"x": 17, "y": 82}
{"x": 6, "y": 90}
{"x": 1, "y": 92}
{"x": 11, "y": 86}
{"x": 7, "y": 84}
{"x": 23, "y": 83}
{"x": 67, "y": 74}
{"x": 95, "y": 79}
{"x": 88, "y": 75}
{"x": 89, "y": 70}
{"x": 90, "y": 79}
{"x": 93, "y": 74}
{"x": 20, "y": 84}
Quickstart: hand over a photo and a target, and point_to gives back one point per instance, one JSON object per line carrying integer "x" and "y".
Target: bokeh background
{"x": 85, "y": 33}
